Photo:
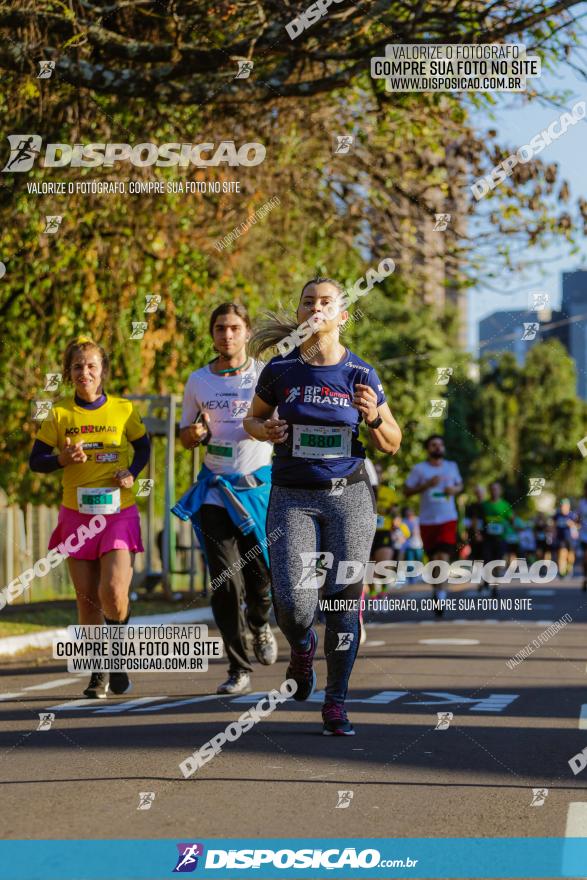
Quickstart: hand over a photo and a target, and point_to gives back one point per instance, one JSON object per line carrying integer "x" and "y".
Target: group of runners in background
{"x": 281, "y": 456}
{"x": 484, "y": 529}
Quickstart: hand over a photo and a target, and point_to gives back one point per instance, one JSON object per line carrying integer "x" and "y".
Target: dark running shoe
{"x": 238, "y": 682}
{"x": 120, "y": 683}
{"x": 300, "y": 669}
{"x": 335, "y": 721}
{"x": 265, "y": 646}
{"x": 97, "y": 688}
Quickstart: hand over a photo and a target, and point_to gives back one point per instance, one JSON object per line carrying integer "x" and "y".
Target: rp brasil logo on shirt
{"x": 317, "y": 394}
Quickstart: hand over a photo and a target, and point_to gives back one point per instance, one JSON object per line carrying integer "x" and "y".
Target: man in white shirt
{"x": 437, "y": 481}
{"x": 216, "y": 400}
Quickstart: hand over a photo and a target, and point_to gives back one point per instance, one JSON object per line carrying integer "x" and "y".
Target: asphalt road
{"x": 513, "y": 730}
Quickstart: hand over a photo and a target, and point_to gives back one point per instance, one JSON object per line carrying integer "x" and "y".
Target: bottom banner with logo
{"x": 537, "y": 857}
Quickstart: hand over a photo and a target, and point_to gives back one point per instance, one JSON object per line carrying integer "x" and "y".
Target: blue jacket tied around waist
{"x": 246, "y": 498}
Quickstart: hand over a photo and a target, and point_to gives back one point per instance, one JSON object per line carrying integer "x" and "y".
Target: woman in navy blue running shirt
{"x": 309, "y": 403}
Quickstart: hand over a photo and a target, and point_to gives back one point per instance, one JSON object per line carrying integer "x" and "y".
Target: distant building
{"x": 515, "y": 330}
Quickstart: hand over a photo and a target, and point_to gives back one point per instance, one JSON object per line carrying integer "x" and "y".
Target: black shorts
{"x": 564, "y": 544}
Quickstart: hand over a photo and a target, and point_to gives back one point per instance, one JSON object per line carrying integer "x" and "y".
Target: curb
{"x": 38, "y": 640}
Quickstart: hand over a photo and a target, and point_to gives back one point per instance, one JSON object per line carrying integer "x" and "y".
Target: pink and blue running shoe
{"x": 301, "y": 670}
{"x": 335, "y": 721}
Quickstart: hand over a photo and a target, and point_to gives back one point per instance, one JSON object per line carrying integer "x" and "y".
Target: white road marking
{"x": 47, "y": 685}
{"x": 372, "y": 644}
{"x": 177, "y": 703}
{"x": 14, "y": 696}
{"x": 57, "y": 683}
{"x": 96, "y": 705}
{"x": 576, "y": 820}
{"x": 491, "y": 703}
{"x": 127, "y": 704}
{"x": 70, "y": 705}
{"x": 449, "y": 642}
{"x": 583, "y": 717}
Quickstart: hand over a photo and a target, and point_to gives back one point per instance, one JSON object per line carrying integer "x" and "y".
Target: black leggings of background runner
{"x": 225, "y": 545}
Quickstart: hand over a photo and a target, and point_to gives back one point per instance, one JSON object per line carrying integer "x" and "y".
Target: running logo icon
{"x": 530, "y": 331}
{"x": 345, "y": 641}
{"x": 539, "y": 795}
{"x": 138, "y": 329}
{"x": 442, "y": 221}
{"x": 244, "y": 69}
{"x": 444, "y": 719}
{"x": 153, "y": 301}
{"x": 293, "y": 393}
{"x": 239, "y": 408}
{"x": 146, "y": 799}
{"x": 343, "y": 144}
{"x": 316, "y": 566}
{"x": 145, "y": 487}
{"x": 24, "y": 149}
{"x": 443, "y": 375}
{"x": 437, "y": 408}
{"x": 537, "y": 301}
{"x": 46, "y": 68}
{"x": 338, "y": 487}
{"x": 52, "y": 224}
{"x": 536, "y": 485}
{"x": 40, "y": 409}
{"x": 344, "y": 799}
{"x": 52, "y": 381}
{"x": 187, "y": 860}
{"x": 46, "y": 719}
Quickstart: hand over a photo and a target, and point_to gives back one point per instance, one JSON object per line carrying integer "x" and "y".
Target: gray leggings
{"x": 318, "y": 523}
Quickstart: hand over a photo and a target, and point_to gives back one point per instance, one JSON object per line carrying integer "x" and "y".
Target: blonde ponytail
{"x": 269, "y": 331}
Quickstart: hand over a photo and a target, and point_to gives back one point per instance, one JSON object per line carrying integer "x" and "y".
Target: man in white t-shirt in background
{"x": 582, "y": 512}
{"x": 437, "y": 481}
{"x": 228, "y": 504}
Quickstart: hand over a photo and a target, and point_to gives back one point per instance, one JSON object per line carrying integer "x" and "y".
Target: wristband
{"x": 375, "y": 423}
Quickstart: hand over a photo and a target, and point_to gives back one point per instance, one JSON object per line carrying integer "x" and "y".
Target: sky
{"x": 516, "y": 124}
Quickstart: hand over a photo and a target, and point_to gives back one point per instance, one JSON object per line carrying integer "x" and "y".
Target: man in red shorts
{"x": 437, "y": 481}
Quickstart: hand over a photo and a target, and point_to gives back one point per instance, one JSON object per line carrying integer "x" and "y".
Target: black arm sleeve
{"x": 142, "y": 448}
{"x": 42, "y": 459}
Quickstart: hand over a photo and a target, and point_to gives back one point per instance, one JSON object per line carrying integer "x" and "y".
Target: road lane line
{"x": 57, "y": 683}
{"x": 71, "y": 705}
{"x": 449, "y": 642}
{"x": 128, "y": 704}
{"x": 177, "y": 703}
{"x": 12, "y": 696}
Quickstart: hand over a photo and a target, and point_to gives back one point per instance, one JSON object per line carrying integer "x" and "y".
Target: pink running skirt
{"x": 90, "y": 535}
